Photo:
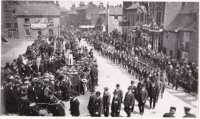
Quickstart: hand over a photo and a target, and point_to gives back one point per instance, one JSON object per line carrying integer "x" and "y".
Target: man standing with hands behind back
{"x": 98, "y": 105}
{"x": 116, "y": 105}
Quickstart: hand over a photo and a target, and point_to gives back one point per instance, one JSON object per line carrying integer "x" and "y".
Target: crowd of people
{"x": 140, "y": 61}
{"x": 152, "y": 80}
{"x": 52, "y": 70}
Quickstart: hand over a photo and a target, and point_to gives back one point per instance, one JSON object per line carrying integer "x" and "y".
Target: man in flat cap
{"x": 91, "y": 102}
{"x": 106, "y": 102}
{"x": 171, "y": 113}
{"x": 120, "y": 92}
{"x": 116, "y": 105}
{"x": 98, "y": 105}
{"x": 187, "y": 113}
{"x": 129, "y": 101}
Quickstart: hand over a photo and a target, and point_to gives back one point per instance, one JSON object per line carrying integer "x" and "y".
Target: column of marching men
{"x": 152, "y": 80}
{"x": 51, "y": 71}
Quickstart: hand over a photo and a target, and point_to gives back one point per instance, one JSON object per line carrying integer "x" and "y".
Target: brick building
{"x": 115, "y": 16}
{"x": 37, "y": 20}
{"x": 63, "y": 16}
{"x": 181, "y": 35}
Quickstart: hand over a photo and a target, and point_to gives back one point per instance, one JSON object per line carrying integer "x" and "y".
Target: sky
{"x": 68, "y": 4}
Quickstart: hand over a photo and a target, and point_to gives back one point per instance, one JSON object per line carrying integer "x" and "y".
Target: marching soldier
{"x": 129, "y": 101}
{"x": 106, "y": 102}
{"x": 116, "y": 105}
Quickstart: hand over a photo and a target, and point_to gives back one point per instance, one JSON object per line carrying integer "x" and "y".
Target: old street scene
{"x": 99, "y": 59}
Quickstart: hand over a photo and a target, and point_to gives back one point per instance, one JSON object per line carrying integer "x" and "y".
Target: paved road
{"x": 110, "y": 75}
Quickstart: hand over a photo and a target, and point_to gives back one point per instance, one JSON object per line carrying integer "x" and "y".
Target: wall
{"x": 194, "y": 47}
{"x": 92, "y": 9}
{"x": 133, "y": 14}
{"x": 110, "y": 23}
{"x": 21, "y": 27}
{"x": 170, "y": 43}
{"x": 63, "y": 21}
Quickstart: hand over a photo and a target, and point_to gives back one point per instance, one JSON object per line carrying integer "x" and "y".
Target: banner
{"x": 38, "y": 26}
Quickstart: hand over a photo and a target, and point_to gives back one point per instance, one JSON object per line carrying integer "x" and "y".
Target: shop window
{"x": 8, "y": 15}
{"x": 27, "y": 32}
{"x": 26, "y": 21}
{"x": 8, "y": 25}
{"x": 15, "y": 25}
{"x": 158, "y": 18}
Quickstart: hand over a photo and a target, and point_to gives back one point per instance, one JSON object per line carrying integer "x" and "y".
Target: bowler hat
{"x": 106, "y": 88}
{"x": 132, "y": 82}
{"x": 117, "y": 85}
{"x": 129, "y": 88}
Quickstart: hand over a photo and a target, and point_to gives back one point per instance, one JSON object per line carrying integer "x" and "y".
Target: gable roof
{"x": 116, "y": 11}
{"x": 185, "y": 18}
{"x": 37, "y": 9}
{"x": 134, "y": 6}
{"x": 62, "y": 9}
{"x": 191, "y": 7}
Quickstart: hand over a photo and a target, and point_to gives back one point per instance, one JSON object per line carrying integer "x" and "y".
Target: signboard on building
{"x": 38, "y": 26}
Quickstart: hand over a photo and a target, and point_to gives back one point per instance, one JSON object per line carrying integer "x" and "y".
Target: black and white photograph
{"x": 99, "y": 58}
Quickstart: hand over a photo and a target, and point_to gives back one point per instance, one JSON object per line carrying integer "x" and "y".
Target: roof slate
{"x": 37, "y": 9}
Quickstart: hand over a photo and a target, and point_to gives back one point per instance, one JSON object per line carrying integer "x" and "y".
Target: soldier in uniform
{"x": 91, "y": 102}
{"x": 171, "y": 113}
{"x": 116, "y": 105}
{"x": 120, "y": 92}
{"x": 106, "y": 102}
{"x": 98, "y": 105}
{"x": 129, "y": 101}
{"x": 187, "y": 113}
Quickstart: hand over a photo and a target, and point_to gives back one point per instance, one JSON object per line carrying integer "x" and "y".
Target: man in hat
{"x": 153, "y": 93}
{"x": 187, "y": 113}
{"x": 188, "y": 81}
{"x": 171, "y": 113}
{"x": 133, "y": 90}
{"x": 91, "y": 102}
{"x": 120, "y": 92}
{"x": 106, "y": 102}
{"x": 164, "y": 81}
{"x": 25, "y": 102}
{"x": 142, "y": 97}
{"x": 129, "y": 101}
{"x": 98, "y": 105}
{"x": 176, "y": 78}
{"x": 116, "y": 105}
{"x": 74, "y": 105}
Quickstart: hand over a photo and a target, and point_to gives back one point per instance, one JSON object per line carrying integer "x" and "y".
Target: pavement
{"x": 111, "y": 74}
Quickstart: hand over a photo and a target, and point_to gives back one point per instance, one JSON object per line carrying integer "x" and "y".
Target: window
{"x": 133, "y": 21}
{"x": 171, "y": 53}
{"x": 26, "y": 21}
{"x": 8, "y": 15}
{"x": 15, "y": 25}
{"x": 158, "y": 18}
{"x": 27, "y": 32}
{"x": 142, "y": 17}
{"x": 8, "y": 25}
